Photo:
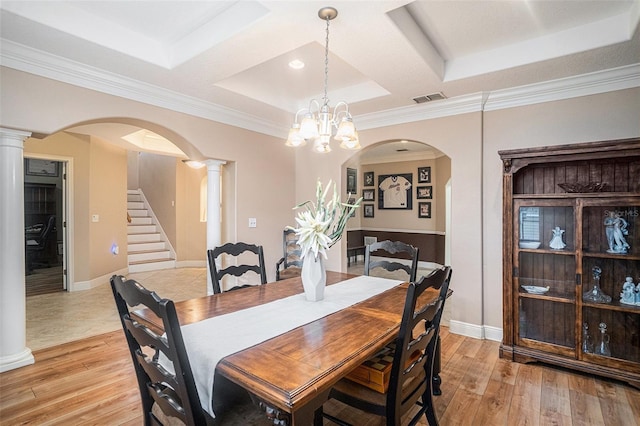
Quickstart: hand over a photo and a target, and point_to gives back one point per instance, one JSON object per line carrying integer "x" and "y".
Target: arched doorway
{"x": 421, "y": 218}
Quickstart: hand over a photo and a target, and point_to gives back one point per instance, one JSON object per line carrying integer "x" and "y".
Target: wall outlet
{"x": 95, "y": 218}
{"x": 253, "y": 222}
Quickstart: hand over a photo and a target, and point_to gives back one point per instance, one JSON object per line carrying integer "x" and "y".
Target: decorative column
{"x": 13, "y": 317}
{"x": 214, "y": 221}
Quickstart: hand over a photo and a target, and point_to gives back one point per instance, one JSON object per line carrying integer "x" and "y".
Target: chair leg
{"x": 427, "y": 401}
{"x": 318, "y": 417}
{"x": 437, "y": 381}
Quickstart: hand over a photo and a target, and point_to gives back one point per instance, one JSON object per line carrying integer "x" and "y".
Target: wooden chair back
{"x": 391, "y": 247}
{"x": 174, "y": 392}
{"x": 411, "y": 376}
{"x": 235, "y": 249}
{"x": 291, "y": 257}
{"x": 411, "y": 381}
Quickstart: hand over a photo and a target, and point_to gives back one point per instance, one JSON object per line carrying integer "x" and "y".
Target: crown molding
{"x": 420, "y": 112}
{"x": 610, "y": 80}
{"x": 33, "y": 61}
{"x": 23, "y": 58}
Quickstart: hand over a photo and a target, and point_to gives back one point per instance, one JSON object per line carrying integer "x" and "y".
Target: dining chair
{"x": 380, "y": 248}
{"x": 236, "y": 250}
{"x": 410, "y": 381}
{"x": 165, "y": 394}
{"x": 290, "y": 264}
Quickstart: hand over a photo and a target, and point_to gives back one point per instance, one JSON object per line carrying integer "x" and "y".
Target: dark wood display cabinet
{"x": 571, "y": 230}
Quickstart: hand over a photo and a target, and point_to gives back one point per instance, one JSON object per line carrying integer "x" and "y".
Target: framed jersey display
{"x": 394, "y": 191}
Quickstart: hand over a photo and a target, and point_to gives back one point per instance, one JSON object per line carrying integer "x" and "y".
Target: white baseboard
{"x": 493, "y": 333}
{"x": 95, "y": 282}
{"x": 475, "y": 331}
{"x": 191, "y": 263}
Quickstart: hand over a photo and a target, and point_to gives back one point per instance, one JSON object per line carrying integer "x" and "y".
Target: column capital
{"x": 214, "y": 164}
{"x": 12, "y": 137}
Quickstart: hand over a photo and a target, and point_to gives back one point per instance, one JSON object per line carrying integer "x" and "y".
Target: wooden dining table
{"x": 290, "y": 375}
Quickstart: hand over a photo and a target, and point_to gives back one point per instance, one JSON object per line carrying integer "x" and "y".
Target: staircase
{"x": 147, "y": 247}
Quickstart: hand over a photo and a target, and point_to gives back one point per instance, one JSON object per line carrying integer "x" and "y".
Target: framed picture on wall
{"x": 394, "y": 191}
{"x": 352, "y": 181}
{"x": 369, "y": 194}
{"x": 368, "y": 179}
{"x": 38, "y": 167}
{"x": 367, "y": 210}
{"x": 424, "y": 210}
{"x": 424, "y": 192}
{"x": 352, "y": 200}
{"x": 424, "y": 174}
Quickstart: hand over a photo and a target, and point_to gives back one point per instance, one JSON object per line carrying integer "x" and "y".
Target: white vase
{"x": 314, "y": 277}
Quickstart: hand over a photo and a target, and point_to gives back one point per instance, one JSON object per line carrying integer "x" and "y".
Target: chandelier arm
{"x": 298, "y": 113}
{"x": 313, "y": 102}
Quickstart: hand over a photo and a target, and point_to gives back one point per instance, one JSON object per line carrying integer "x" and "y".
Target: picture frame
{"x": 367, "y": 210}
{"x": 352, "y": 200}
{"x": 424, "y": 192}
{"x": 424, "y": 174}
{"x": 394, "y": 191}
{"x": 369, "y": 179}
{"x": 352, "y": 180}
{"x": 40, "y": 167}
{"x": 424, "y": 210}
{"x": 369, "y": 194}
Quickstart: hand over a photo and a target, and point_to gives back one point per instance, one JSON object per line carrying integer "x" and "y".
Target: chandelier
{"x": 318, "y": 122}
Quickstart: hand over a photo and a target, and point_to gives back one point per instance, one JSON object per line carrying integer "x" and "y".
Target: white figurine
{"x": 616, "y": 229}
{"x": 638, "y": 294}
{"x": 556, "y": 242}
{"x": 628, "y": 295}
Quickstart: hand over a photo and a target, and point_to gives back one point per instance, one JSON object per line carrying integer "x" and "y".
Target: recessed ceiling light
{"x": 296, "y": 64}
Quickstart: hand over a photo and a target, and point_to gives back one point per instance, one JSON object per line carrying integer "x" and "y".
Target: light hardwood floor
{"x": 90, "y": 380}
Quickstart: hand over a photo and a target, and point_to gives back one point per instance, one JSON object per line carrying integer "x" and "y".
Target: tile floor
{"x": 63, "y": 317}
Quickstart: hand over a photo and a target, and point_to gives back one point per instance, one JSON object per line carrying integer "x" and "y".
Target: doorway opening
{"x": 44, "y": 221}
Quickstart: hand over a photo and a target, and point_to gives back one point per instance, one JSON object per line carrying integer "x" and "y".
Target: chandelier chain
{"x": 326, "y": 64}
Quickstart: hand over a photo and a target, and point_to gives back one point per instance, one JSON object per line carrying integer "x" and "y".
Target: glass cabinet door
{"x": 611, "y": 283}
{"x": 545, "y": 275}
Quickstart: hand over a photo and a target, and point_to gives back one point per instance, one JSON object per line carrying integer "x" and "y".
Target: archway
{"x": 85, "y": 136}
{"x": 422, "y": 220}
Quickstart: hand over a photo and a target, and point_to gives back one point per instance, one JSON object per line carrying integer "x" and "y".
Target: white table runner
{"x": 208, "y": 341}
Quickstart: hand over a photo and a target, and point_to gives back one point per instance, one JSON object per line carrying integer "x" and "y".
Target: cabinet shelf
{"x": 548, "y": 251}
{"x": 550, "y": 297}
{"x": 613, "y": 306}
{"x": 547, "y": 327}
{"x": 611, "y": 256}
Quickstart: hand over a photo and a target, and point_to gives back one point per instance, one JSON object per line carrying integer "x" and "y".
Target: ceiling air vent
{"x": 427, "y": 98}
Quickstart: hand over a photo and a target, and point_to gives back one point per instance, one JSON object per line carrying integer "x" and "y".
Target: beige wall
{"x": 157, "y": 179}
{"x": 269, "y": 178}
{"x": 264, "y": 168}
{"x": 442, "y": 175}
{"x": 108, "y": 200}
{"x": 191, "y": 233}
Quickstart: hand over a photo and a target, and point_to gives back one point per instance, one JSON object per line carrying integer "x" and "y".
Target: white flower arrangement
{"x": 321, "y": 225}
